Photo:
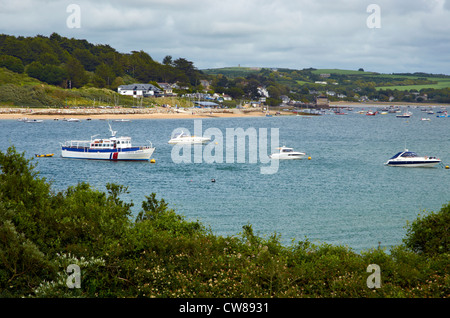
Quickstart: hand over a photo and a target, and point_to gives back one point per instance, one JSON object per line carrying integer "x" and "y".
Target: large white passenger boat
{"x": 112, "y": 148}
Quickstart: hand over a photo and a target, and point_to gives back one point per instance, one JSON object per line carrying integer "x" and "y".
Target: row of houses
{"x": 139, "y": 90}
{"x": 166, "y": 90}
{"x": 149, "y": 90}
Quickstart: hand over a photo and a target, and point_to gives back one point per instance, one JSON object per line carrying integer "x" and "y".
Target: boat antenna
{"x": 113, "y": 132}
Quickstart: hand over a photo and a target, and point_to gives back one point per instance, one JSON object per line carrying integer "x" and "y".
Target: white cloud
{"x": 297, "y": 34}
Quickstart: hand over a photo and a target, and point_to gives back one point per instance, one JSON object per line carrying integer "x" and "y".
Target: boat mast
{"x": 113, "y": 132}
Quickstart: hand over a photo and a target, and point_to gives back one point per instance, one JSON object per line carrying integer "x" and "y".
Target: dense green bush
{"x": 11, "y": 63}
{"x": 160, "y": 254}
{"x": 430, "y": 234}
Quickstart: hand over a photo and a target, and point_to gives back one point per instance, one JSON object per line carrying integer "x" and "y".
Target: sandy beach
{"x": 124, "y": 113}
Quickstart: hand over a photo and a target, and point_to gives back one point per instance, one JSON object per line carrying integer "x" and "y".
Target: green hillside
{"x": 22, "y": 90}
{"x": 57, "y": 71}
{"x": 442, "y": 83}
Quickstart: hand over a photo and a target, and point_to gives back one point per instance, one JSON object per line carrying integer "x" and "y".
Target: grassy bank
{"x": 19, "y": 90}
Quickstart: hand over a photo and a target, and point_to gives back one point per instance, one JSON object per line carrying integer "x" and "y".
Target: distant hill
{"x": 351, "y": 85}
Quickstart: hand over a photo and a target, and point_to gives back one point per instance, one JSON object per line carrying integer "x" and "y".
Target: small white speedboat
{"x": 33, "y": 121}
{"x": 183, "y": 138}
{"x": 287, "y": 153}
{"x": 411, "y": 159}
{"x": 404, "y": 115}
{"x": 72, "y": 120}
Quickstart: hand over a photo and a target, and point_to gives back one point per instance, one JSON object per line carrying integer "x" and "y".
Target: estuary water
{"x": 343, "y": 195}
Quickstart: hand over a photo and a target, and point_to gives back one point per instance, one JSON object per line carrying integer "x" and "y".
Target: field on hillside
{"x": 341, "y": 72}
{"x": 442, "y": 82}
{"x": 232, "y": 71}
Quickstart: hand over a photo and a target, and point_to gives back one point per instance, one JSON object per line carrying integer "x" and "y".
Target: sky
{"x": 386, "y": 36}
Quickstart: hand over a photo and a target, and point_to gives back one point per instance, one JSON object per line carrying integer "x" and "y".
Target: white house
{"x": 137, "y": 90}
{"x": 168, "y": 89}
{"x": 285, "y": 99}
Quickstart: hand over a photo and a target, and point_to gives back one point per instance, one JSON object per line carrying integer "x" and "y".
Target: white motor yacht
{"x": 411, "y": 159}
{"x": 287, "y": 153}
{"x": 183, "y": 138}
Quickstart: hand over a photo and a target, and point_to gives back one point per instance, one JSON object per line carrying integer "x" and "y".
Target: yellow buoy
{"x": 446, "y": 167}
{"x": 309, "y": 158}
{"x": 153, "y": 161}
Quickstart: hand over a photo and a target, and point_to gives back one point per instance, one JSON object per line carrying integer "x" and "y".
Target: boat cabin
{"x": 405, "y": 154}
{"x": 113, "y": 143}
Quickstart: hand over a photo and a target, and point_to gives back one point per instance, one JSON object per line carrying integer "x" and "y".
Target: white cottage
{"x": 137, "y": 90}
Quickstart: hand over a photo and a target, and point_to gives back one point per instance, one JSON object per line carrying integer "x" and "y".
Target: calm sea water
{"x": 344, "y": 195}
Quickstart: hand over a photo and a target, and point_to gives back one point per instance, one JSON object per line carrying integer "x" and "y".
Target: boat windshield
{"x": 409, "y": 154}
{"x": 181, "y": 134}
{"x": 287, "y": 150}
{"x": 396, "y": 155}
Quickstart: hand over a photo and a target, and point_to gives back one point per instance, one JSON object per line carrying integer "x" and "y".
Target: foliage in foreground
{"x": 160, "y": 254}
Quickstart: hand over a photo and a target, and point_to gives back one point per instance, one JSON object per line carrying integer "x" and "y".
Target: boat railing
{"x": 148, "y": 147}
{"x": 77, "y": 144}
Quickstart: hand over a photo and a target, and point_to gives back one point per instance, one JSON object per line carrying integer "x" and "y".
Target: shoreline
{"x": 115, "y": 113}
{"x": 123, "y": 113}
{"x": 385, "y": 104}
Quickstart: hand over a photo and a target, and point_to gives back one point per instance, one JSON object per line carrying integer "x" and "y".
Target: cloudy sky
{"x": 378, "y": 35}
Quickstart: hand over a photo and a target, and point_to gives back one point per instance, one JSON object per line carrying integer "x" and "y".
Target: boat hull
{"x": 414, "y": 164}
{"x": 131, "y": 154}
{"x": 287, "y": 157}
{"x": 188, "y": 141}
